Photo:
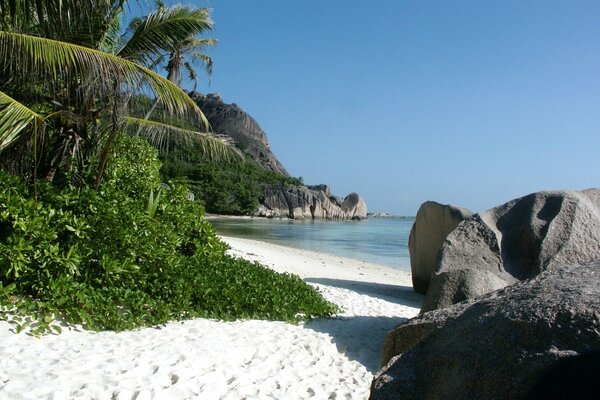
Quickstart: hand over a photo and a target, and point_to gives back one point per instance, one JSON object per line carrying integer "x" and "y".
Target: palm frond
{"x": 192, "y": 74}
{"x": 15, "y": 120}
{"x": 163, "y": 31}
{"x": 166, "y": 137}
{"x": 195, "y": 48}
{"x": 157, "y": 61}
{"x": 51, "y": 59}
{"x": 110, "y": 41}
{"x": 206, "y": 61}
{"x": 74, "y": 21}
{"x": 202, "y": 43}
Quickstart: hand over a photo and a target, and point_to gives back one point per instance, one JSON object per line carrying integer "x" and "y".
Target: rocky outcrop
{"x": 515, "y": 241}
{"x": 296, "y": 202}
{"x": 434, "y": 221}
{"x": 312, "y": 202}
{"x": 496, "y": 347}
{"x": 354, "y": 207}
{"x": 230, "y": 120}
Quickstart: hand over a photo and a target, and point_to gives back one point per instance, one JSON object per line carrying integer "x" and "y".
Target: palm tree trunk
{"x": 111, "y": 138}
{"x": 172, "y": 75}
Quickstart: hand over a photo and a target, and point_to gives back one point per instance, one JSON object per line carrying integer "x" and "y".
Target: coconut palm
{"x": 66, "y": 58}
{"x": 184, "y": 53}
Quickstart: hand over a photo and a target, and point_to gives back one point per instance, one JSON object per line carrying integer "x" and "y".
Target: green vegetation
{"x": 234, "y": 188}
{"x": 99, "y": 258}
{"x": 87, "y": 232}
{"x": 69, "y": 74}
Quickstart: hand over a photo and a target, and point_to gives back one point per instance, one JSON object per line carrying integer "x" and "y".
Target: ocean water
{"x": 377, "y": 240}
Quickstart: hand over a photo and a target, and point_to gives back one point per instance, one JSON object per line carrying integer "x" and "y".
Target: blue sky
{"x": 472, "y": 103}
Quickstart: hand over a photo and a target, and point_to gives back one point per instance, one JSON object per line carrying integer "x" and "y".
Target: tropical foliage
{"x": 234, "y": 188}
{"x": 101, "y": 259}
{"x": 100, "y": 241}
{"x": 68, "y": 77}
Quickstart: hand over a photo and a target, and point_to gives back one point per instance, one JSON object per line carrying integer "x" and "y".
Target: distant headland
{"x": 282, "y": 197}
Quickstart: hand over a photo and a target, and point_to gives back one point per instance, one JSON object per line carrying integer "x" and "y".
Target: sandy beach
{"x": 207, "y": 359}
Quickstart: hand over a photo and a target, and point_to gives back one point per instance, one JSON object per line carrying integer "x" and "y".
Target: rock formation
{"x": 230, "y": 120}
{"x": 354, "y": 207}
{"x": 496, "y": 347}
{"x": 515, "y": 241}
{"x": 312, "y": 202}
{"x": 295, "y": 202}
{"x": 433, "y": 223}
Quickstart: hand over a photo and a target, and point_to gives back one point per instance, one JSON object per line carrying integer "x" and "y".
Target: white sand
{"x": 207, "y": 359}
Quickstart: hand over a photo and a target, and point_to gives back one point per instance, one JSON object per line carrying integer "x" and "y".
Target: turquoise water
{"x": 377, "y": 240}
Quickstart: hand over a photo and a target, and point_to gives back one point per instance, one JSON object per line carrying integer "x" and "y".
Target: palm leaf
{"x": 15, "y": 120}
{"x": 50, "y": 59}
{"x": 163, "y": 31}
{"x": 73, "y": 21}
{"x": 203, "y": 43}
{"x": 192, "y": 75}
{"x": 206, "y": 60}
{"x": 162, "y": 136}
{"x": 110, "y": 40}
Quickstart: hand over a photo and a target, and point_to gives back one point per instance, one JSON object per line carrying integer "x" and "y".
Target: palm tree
{"x": 68, "y": 76}
{"x": 185, "y": 52}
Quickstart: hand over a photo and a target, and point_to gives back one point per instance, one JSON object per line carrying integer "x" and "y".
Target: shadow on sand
{"x": 392, "y": 293}
{"x": 361, "y": 338}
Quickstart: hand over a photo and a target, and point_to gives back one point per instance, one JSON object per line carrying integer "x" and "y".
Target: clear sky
{"x": 472, "y": 103}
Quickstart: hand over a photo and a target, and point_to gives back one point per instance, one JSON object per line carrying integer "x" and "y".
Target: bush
{"x": 235, "y": 188}
{"x": 99, "y": 258}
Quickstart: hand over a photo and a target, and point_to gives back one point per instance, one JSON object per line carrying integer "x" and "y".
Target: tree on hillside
{"x": 68, "y": 76}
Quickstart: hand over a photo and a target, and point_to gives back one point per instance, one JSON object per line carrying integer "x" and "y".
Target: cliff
{"x": 282, "y": 201}
{"x": 230, "y": 120}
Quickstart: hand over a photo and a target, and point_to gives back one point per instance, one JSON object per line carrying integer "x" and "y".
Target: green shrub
{"x": 225, "y": 188}
{"x": 133, "y": 168}
{"x": 98, "y": 258}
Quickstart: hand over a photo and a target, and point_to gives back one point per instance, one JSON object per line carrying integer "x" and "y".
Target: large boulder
{"x": 515, "y": 241}
{"x": 451, "y": 287}
{"x": 495, "y": 347}
{"x": 433, "y": 223}
{"x": 354, "y": 207}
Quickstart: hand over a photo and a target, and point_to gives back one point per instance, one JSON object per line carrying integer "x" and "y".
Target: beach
{"x": 208, "y": 359}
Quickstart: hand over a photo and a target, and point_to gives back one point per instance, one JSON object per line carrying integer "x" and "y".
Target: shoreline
{"x": 329, "y": 240}
{"x": 208, "y": 359}
{"x": 314, "y": 266}
{"x": 209, "y": 216}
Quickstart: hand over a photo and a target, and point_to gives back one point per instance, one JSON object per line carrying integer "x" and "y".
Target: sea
{"x": 381, "y": 241}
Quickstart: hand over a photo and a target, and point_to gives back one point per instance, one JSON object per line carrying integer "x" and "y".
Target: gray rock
{"x": 337, "y": 200}
{"x": 452, "y": 287}
{"x": 409, "y": 334}
{"x": 296, "y": 202}
{"x": 433, "y": 223}
{"x": 497, "y": 346}
{"x": 516, "y": 241}
{"x": 301, "y": 202}
{"x": 354, "y": 207}
{"x": 231, "y": 121}
{"x": 320, "y": 188}
{"x": 573, "y": 377}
